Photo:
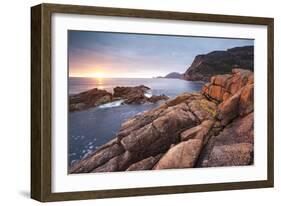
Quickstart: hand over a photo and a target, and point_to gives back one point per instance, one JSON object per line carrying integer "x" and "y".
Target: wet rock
{"x": 99, "y": 158}
{"x": 90, "y": 98}
{"x": 126, "y": 92}
{"x": 154, "y": 98}
{"x": 96, "y": 97}
{"x": 136, "y": 95}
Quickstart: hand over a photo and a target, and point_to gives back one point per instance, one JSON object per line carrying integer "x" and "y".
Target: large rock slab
{"x": 246, "y": 103}
{"x": 117, "y": 163}
{"x": 198, "y": 132}
{"x": 148, "y": 117}
{"x": 99, "y": 158}
{"x": 241, "y": 130}
{"x": 183, "y": 155}
{"x": 158, "y": 135}
{"x": 216, "y": 92}
{"x": 203, "y": 109}
{"x": 240, "y": 78}
{"x": 230, "y": 155}
{"x": 229, "y": 109}
{"x": 145, "y": 164}
{"x": 221, "y": 80}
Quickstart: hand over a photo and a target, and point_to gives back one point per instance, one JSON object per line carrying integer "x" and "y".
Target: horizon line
{"x": 112, "y": 77}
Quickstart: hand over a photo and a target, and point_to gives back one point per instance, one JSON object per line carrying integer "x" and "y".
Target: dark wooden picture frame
{"x": 41, "y": 101}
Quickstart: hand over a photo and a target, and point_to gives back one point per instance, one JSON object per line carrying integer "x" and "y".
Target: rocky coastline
{"x": 210, "y": 128}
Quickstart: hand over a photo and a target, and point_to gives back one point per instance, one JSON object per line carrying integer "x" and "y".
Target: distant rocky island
{"x": 214, "y": 127}
{"x": 173, "y": 75}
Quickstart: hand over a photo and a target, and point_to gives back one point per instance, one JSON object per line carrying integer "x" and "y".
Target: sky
{"x": 122, "y": 55}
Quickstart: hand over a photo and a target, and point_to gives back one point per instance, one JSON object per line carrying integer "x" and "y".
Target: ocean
{"x": 89, "y": 129}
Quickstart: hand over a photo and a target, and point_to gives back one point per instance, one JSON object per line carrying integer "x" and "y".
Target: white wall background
{"x": 15, "y": 102}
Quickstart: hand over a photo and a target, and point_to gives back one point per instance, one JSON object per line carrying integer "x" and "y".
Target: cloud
{"x": 120, "y": 53}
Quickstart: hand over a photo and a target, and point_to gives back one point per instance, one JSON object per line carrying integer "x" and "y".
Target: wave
{"x": 148, "y": 94}
{"x": 111, "y": 104}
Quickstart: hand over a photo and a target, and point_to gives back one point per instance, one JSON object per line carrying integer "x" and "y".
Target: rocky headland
{"x": 173, "y": 75}
{"x": 96, "y": 97}
{"x": 205, "y": 66}
{"x": 210, "y": 128}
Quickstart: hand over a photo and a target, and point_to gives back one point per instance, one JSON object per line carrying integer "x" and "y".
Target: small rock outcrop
{"x": 96, "y": 97}
{"x": 207, "y": 129}
{"x": 90, "y": 98}
{"x": 136, "y": 95}
{"x": 220, "y": 62}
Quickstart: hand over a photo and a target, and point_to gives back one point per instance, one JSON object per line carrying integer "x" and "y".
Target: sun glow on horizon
{"x": 98, "y": 75}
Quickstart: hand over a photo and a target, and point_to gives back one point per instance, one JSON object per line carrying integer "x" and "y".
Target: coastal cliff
{"x": 219, "y": 62}
{"x": 207, "y": 129}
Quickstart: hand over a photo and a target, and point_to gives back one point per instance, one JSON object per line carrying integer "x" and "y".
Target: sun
{"x": 98, "y": 75}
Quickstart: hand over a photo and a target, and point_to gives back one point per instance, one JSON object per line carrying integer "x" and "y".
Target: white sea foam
{"x": 87, "y": 153}
{"x": 148, "y": 94}
{"x": 73, "y": 161}
{"x": 111, "y": 104}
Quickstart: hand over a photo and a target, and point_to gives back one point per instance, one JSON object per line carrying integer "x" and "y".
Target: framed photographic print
{"x": 132, "y": 102}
